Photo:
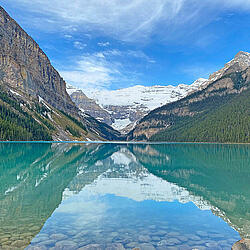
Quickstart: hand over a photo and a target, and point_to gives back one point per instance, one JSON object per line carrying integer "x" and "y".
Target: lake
{"x": 123, "y": 196}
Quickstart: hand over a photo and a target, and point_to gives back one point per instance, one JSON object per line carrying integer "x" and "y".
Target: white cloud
{"x": 131, "y": 20}
{"x": 92, "y": 71}
{"x": 140, "y": 54}
{"x": 68, "y": 36}
{"x": 102, "y": 69}
{"x": 79, "y": 45}
{"x": 103, "y": 44}
{"x": 127, "y": 54}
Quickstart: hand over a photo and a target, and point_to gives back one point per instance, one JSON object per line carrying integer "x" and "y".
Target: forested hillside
{"x": 16, "y": 124}
{"x": 229, "y": 122}
{"x": 31, "y": 119}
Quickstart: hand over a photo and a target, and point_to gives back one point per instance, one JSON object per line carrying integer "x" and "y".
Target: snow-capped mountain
{"x": 123, "y": 176}
{"x": 122, "y": 108}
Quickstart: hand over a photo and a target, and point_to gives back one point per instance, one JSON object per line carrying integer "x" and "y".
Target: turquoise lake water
{"x": 122, "y": 196}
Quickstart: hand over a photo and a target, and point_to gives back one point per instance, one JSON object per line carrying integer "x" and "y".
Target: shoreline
{"x": 128, "y": 142}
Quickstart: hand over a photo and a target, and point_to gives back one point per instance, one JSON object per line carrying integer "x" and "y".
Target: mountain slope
{"x": 122, "y": 108}
{"x": 88, "y": 105}
{"x": 26, "y": 75}
{"x": 218, "y": 113}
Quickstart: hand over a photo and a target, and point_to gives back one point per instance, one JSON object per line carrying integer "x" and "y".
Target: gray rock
{"x": 36, "y": 248}
{"x": 47, "y": 243}
{"x": 173, "y": 248}
{"x": 146, "y": 246}
{"x": 172, "y": 242}
{"x": 194, "y": 237}
{"x": 211, "y": 244}
{"x": 173, "y": 234}
{"x": 161, "y": 248}
{"x": 92, "y": 247}
{"x": 115, "y": 246}
{"x": 162, "y": 243}
{"x": 216, "y": 236}
{"x": 144, "y": 238}
{"x": 132, "y": 244}
{"x": 202, "y": 233}
{"x": 156, "y": 238}
{"x": 198, "y": 248}
{"x": 39, "y": 239}
{"x": 58, "y": 236}
{"x": 66, "y": 244}
{"x": 114, "y": 234}
{"x": 182, "y": 238}
{"x": 160, "y": 233}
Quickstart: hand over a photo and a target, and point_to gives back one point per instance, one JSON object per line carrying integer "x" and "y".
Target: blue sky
{"x": 119, "y": 43}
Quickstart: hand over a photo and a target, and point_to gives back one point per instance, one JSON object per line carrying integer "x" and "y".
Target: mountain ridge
{"x": 217, "y": 113}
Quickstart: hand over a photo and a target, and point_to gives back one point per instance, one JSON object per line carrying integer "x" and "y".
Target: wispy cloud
{"x": 102, "y": 69}
{"x": 131, "y": 20}
{"x": 91, "y": 71}
{"x": 79, "y": 45}
{"x": 103, "y": 44}
{"x": 68, "y": 36}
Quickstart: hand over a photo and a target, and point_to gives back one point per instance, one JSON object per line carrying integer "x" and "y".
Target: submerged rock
{"x": 58, "y": 236}
{"x": 66, "y": 244}
{"x": 146, "y": 246}
{"x": 144, "y": 238}
{"x": 115, "y": 246}
{"x": 92, "y": 247}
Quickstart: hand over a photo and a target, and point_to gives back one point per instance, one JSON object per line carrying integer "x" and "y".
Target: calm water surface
{"x": 115, "y": 196}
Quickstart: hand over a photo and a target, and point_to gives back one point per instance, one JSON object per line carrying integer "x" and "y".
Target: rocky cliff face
{"x": 89, "y": 106}
{"x": 24, "y": 66}
{"x": 26, "y": 70}
{"x": 219, "y": 112}
{"x": 123, "y": 108}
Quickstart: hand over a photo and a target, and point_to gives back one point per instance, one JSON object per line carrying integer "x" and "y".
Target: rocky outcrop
{"x": 24, "y": 66}
{"x": 224, "y": 90}
{"x": 243, "y": 244}
{"x": 26, "y": 70}
{"x": 89, "y": 106}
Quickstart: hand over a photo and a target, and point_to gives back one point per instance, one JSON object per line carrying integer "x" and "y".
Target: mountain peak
{"x": 241, "y": 54}
{"x": 241, "y": 61}
{"x": 243, "y": 58}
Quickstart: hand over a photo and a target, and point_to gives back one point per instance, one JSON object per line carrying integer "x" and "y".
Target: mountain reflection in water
{"x": 72, "y": 195}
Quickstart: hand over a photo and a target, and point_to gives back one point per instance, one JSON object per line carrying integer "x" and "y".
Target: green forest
{"x": 226, "y": 119}
{"x": 18, "y": 125}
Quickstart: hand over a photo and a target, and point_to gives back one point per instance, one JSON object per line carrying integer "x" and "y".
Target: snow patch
{"x": 120, "y": 158}
{"x": 14, "y": 92}
{"x": 121, "y": 123}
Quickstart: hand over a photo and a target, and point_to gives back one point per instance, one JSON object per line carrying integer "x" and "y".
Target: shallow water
{"x": 117, "y": 196}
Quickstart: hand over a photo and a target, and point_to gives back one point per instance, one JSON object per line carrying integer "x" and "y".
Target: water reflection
{"x": 218, "y": 173}
{"x": 32, "y": 181}
{"x": 117, "y": 196}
